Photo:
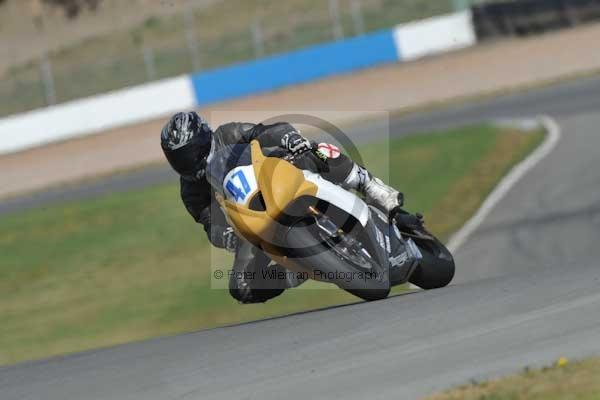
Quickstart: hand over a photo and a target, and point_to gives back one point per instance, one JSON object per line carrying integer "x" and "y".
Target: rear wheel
{"x": 436, "y": 269}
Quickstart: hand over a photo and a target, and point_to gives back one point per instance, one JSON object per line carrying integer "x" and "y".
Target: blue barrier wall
{"x": 137, "y": 104}
{"x": 300, "y": 66}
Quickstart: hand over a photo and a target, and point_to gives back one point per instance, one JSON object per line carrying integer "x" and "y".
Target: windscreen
{"x": 224, "y": 160}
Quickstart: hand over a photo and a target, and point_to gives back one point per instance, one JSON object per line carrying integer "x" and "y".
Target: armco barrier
{"x": 137, "y": 104}
{"x": 526, "y": 17}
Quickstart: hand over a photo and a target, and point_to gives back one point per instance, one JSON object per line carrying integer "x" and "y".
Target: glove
{"x": 222, "y": 237}
{"x": 295, "y": 143}
{"x": 406, "y": 220}
{"x": 230, "y": 240}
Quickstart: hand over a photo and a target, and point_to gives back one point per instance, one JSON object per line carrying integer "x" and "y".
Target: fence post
{"x": 357, "y": 17}
{"x": 336, "y": 20}
{"x": 47, "y": 80}
{"x": 46, "y": 73}
{"x": 190, "y": 38}
{"x": 461, "y": 5}
{"x": 149, "y": 62}
{"x": 258, "y": 39}
{"x": 570, "y": 13}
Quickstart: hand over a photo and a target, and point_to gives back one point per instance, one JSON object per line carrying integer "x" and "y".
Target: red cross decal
{"x": 329, "y": 150}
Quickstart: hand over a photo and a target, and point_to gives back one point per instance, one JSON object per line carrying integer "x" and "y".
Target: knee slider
{"x": 253, "y": 296}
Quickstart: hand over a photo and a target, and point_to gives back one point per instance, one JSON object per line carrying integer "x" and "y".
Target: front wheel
{"x": 315, "y": 254}
{"x": 436, "y": 269}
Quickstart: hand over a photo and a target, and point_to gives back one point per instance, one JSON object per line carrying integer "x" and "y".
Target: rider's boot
{"x": 382, "y": 196}
{"x": 377, "y": 193}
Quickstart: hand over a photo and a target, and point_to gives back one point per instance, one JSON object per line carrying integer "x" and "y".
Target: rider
{"x": 187, "y": 141}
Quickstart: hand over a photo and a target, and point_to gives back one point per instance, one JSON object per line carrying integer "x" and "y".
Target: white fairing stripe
{"x": 339, "y": 197}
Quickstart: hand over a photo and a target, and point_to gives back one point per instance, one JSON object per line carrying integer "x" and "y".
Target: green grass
{"x": 223, "y": 33}
{"x": 134, "y": 265}
{"x": 573, "y": 381}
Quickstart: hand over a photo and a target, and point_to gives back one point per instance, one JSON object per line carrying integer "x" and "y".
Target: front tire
{"x": 316, "y": 255}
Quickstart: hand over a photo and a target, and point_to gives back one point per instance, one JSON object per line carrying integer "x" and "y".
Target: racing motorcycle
{"x": 310, "y": 226}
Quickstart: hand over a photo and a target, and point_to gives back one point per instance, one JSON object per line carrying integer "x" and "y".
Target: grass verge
{"x": 133, "y": 265}
{"x": 573, "y": 381}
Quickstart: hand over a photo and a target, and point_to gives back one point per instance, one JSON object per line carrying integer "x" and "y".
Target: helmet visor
{"x": 189, "y": 161}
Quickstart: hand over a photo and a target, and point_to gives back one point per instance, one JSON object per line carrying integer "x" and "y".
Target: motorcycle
{"x": 313, "y": 227}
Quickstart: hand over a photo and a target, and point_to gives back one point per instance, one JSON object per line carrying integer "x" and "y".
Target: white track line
{"x": 552, "y": 138}
{"x": 553, "y": 135}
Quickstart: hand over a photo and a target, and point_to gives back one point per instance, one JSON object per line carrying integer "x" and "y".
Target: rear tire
{"x": 315, "y": 255}
{"x": 436, "y": 269}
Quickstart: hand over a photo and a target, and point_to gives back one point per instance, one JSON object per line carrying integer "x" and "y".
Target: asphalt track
{"x": 526, "y": 293}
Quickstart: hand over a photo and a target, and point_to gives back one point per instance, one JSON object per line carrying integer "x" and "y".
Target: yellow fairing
{"x": 280, "y": 183}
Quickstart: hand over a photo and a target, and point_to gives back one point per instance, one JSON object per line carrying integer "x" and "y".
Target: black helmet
{"x": 186, "y": 140}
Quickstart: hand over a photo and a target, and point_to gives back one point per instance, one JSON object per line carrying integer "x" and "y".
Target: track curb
{"x": 553, "y": 136}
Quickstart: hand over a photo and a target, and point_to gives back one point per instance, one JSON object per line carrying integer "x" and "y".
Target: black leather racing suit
{"x": 247, "y": 281}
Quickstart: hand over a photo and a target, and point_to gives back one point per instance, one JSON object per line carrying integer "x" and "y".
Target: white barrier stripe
{"x": 143, "y": 103}
{"x": 435, "y": 35}
{"x": 87, "y": 116}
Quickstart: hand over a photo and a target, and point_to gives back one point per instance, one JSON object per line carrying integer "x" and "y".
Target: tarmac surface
{"x": 526, "y": 293}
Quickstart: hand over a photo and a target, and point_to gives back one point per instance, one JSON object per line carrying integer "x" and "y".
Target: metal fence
{"x": 196, "y": 40}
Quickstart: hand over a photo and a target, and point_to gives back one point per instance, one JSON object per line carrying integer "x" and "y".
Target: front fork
{"x": 404, "y": 255}
{"x": 324, "y": 223}
{"x": 339, "y": 237}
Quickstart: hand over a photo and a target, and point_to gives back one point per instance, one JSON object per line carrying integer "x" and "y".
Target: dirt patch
{"x": 481, "y": 69}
